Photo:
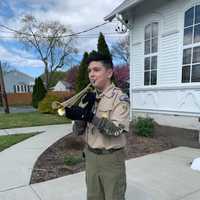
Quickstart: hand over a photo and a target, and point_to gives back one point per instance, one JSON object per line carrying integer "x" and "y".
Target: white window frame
{"x": 150, "y": 55}
{"x": 188, "y": 46}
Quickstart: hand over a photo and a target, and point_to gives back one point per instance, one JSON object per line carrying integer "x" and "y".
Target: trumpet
{"x": 75, "y": 100}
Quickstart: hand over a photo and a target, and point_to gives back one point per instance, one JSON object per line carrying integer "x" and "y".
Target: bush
{"x": 72, "y": 159}
{"x": 144, "y": 126}
{"x": 45, "y": 105}
{"x": 39, "y": 92}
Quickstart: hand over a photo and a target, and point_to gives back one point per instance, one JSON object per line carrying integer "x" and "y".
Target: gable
{"x": 122, "y": 7}
{"x": 15, "y": 77}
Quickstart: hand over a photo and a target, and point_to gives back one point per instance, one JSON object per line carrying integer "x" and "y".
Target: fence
{"x": 26, "y": 98}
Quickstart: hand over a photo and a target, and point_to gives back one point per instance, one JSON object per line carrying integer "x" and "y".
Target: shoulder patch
{"x": 124, "y": 97}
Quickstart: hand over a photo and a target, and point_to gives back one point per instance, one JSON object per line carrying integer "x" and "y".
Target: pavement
{"x": 160, "y": 176}
{"x": 18, "y": 109}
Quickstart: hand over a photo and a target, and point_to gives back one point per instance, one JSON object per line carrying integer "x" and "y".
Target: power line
{"x": 66, "y": 35}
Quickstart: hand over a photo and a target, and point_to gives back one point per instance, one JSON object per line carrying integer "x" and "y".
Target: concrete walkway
{"x": 30, "y": 129}
{"x": 161, "y": 176}
{"x": 17, "y": 162}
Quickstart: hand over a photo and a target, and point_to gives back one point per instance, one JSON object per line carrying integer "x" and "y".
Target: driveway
{"x": 19, "y": 109}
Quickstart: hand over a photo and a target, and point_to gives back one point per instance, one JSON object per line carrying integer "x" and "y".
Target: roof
{"x": 18, "y": 73}
{"x": 65, "y": 83}
{"x": 122, "y": 7}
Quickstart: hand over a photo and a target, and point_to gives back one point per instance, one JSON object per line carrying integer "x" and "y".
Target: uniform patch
{"x": 105, "y": 115}
{"x": 124, "y": 98}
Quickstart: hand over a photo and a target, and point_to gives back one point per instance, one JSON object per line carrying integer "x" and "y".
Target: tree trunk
{"x": 46, "y": 75}
{"x": 3, "y": 92}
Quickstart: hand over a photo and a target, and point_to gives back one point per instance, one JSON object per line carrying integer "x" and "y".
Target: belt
{"x": 102, "y": 151}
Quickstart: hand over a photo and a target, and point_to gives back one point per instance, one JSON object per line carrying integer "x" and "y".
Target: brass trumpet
{"x": 75, "y": 100}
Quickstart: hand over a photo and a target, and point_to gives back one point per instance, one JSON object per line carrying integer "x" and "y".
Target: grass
{"x": 9, "y": 140}
{"x": 14, "y": 120}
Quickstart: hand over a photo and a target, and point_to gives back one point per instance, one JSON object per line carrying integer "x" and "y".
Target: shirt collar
{"x": 108, "y": 92}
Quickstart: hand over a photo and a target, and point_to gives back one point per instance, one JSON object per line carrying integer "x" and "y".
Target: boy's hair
{"x": 104, "y": 59}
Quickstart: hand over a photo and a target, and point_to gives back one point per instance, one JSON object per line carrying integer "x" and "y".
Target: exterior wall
{"x": 169, "y": 97}
{"x": 185, "y": 122}
{"x": 13, "y": 78}
{"x": 60, "y": 87}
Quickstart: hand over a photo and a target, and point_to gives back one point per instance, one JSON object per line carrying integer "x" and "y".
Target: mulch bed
{"x": 51, "y": 164}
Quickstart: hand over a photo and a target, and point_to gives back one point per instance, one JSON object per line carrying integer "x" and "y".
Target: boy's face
{"x": 99, "y": 75}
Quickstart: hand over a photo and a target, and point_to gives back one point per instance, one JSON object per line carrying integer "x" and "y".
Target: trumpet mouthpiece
{"x": 92, "y": 81}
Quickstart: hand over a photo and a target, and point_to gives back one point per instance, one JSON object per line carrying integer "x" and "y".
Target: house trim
{"x": 176, "y": 87}
{"x": 167, "y": 112}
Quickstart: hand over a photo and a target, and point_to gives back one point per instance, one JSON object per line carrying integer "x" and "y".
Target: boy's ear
{"x": 110, "y": 73}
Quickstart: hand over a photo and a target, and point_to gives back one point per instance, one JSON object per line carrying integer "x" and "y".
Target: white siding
{"x": 169, "y": 96}
{"x": 170, "y": 17}
{"x": 169, "y": 58}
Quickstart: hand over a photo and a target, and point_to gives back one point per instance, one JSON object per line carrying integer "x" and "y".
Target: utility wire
{"x": 66, "y": 35}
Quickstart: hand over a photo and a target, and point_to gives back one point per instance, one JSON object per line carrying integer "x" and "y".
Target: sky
{"x": 79, "y": 15}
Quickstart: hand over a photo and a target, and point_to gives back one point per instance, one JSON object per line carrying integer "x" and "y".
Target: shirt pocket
{"x": 104, "y": 110}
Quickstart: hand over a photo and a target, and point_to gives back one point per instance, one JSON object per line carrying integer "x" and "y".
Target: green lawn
{"x": 9, "y": 140}
{"x": 14, "y": 120}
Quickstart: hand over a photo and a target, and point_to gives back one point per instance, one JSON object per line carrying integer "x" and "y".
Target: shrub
{"x": 39, "y": 92}
{"x": 144, "y": 126}
{"x": 72, "y": 159}
{"x": 45, "y": 105}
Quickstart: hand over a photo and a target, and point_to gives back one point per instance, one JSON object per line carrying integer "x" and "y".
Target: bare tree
{"x": 6, "y": 68}
{"x": 50, "y": 42}
{"x": 3, "y": 91}
{"x": 120, "y": 50}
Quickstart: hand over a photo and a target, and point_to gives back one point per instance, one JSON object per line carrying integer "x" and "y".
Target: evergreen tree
{"x": 82, "y": 78}
{"x": 39, "y": 92}
{"x": 102, "y": 47}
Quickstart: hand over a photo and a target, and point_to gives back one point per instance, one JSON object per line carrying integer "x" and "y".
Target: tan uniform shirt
{"x": 113, "y": 105}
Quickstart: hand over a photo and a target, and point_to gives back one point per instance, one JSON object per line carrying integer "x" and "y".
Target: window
{"x": 20, "y": 88}
{"x": 150, "y": 54}
{"x": 191, "y": 46}
{"x": 17, "y": 88}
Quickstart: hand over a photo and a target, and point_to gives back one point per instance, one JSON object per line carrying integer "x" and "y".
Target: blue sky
{"x": 80, "y": 15}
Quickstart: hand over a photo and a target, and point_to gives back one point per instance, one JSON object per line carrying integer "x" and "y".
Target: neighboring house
{"x": 18, "y": 82}
{"x": 62, "y": 86}
{"x": 164, "y": 59}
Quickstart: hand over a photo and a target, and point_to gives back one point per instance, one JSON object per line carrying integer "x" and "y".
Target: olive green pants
{"x": 105, "y": 175}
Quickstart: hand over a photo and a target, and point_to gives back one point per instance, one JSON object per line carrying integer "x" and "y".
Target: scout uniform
{"x": 105, "y": 139}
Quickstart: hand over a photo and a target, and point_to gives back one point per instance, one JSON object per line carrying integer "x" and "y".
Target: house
{"x": 62, "y": 86}
{"x": 18, "y": 82}
{"x": 164, "y": 59}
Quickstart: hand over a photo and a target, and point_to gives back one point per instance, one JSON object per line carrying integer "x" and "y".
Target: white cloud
{"x": 80, "y": 15}
{"x": 18, "y": 58}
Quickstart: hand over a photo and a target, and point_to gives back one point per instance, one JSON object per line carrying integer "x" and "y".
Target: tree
{"x": 82, "y": 78}
{"x": 48, "y": 40}
{"x": 3, "y": 92}
{"x": 121, "y": 73}
{"x": 6, "y": 67}
{"x": 102, "y": 47}
{"x": 120, "y": 50}
{"x": 55, "y": 77}
{"x": 71, "y": 76}
{"x": 39, "y": 92}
